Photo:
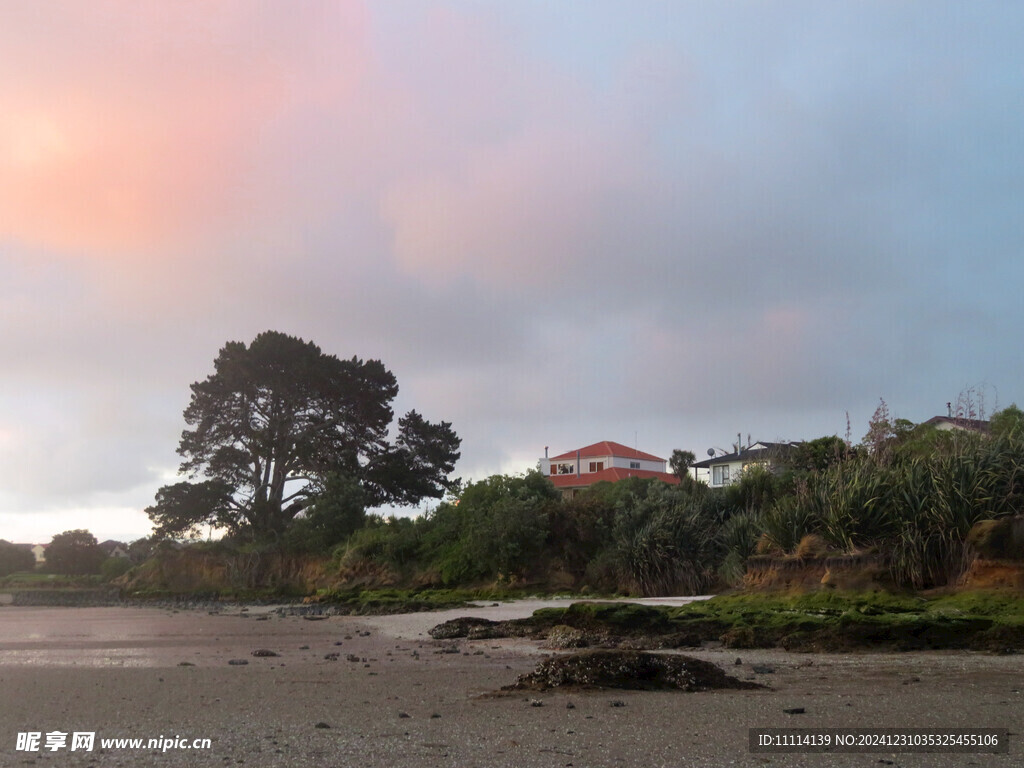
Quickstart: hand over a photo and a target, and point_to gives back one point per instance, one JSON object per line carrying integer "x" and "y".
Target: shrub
{"x": 14, "y": 559}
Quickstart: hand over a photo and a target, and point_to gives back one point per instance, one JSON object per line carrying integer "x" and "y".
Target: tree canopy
{"x": 74, "y": 553}
{"x": 275, "y": 420}
{"x": 14, "y": 558}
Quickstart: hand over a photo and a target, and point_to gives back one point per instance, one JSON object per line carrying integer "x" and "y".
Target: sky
{"x": 658, "y": 223}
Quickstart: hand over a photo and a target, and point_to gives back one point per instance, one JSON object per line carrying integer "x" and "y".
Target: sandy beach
{"x": 378, "y": 691}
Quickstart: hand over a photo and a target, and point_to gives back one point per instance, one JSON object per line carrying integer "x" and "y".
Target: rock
{"x": 762, "y": 669}
{"x": 617, "y": 703}
{"x": 238, "y": 662}
{"x": 630, "y": 670}
{"x": 321, "y": 724}
{"x": 264, "y": 653}
{"x": 353, "y": 658}
{"x": 794, "y": 711}
{"x": 332, "y": 656}
{"x": 562, "y": 637}
{"x": 185, "y": 664}
{"x": 536, "y": 703}
{"x": 738, "y": 661}
{"x": 570, "y": 705}
{"x": 404, "y": 715}
{"x": 460, "y": 627}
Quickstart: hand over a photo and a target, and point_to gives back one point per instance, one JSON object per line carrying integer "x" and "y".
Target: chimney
{"x": 577, "y": 463}
{"x": 545, "y": 451}
{"x": 949, "y": 410}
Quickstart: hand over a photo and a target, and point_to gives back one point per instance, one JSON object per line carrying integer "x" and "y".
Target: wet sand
{"x": 402, "y": 701}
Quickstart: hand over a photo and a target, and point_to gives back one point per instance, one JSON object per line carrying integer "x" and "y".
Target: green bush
{"x": 113, "y": 567}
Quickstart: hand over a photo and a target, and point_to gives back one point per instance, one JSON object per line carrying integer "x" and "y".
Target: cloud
{"x": 555, "y": 228}
{"x": 129, "y": 127}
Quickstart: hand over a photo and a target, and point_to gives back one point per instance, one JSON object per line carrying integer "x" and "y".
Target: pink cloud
{"x": 142, "y": 124}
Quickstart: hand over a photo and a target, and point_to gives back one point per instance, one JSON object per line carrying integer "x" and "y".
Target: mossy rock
{"x": 739, "y": 637}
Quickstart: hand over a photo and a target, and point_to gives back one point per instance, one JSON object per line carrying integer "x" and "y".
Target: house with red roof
{"x": 606, "y": 461}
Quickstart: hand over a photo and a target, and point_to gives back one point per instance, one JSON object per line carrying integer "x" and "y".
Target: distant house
{"x": 610, "y": 462}
{"x": 946, "y": 423}
{"x": 720, "y": 471}
{"x": 113, "y": 548}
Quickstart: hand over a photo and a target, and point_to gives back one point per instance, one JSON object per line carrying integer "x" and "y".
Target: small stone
{"x": 617, "y": 703}
{"x": 264, "y": 653}
{"x": 570, "y": 705}
{"x": 238, "y": 662}
{"x": 536, "y": 703}
{"x": 185, "y": 664}
{"x": 404, "y": 715}
{"x": 321, "y": 724}
{"x": 434, "y": 716}
{"x": 738, "y": 661}
{"x": 303, "y": 647}
{"x": 762, "y": 669}
{"x": 794, "y": 711}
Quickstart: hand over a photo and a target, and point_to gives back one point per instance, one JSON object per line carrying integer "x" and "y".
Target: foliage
{"x": 1007, "y": 422}
{"x": 14, "y": 559}
{"x": 819, "y": 454}
{"x": 884, "y": 431}
{"x": 337, "y": 513}
{"x": 74, "y": 553}
{"x": 275, "y": 421}
{"x": 496, "y": 529}
{"x": 113, "y": 567}
{"x": 680, "y": 462}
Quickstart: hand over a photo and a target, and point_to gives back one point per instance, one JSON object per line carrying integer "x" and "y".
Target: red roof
{"x": 607, "y": 448}
{"x": 610, "y": 475}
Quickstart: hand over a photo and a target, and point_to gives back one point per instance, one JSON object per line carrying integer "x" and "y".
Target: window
{"x": 634, "y": 465}
{"x": 720, "y": 475}
{"x": 596, "y": 466}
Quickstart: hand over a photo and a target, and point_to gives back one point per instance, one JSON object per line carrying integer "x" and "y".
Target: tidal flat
{"x": 380, "y": 691}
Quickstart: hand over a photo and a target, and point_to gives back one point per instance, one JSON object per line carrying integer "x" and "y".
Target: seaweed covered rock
{"x": 462, "y": 627}
{"x": 628, "y": 669}
{"x": 562, "y": 637}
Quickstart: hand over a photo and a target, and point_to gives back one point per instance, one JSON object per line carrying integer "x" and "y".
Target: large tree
{"x": 279, "y": 417}
{"x": 74, "y": 553}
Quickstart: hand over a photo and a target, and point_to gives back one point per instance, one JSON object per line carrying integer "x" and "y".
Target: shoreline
{"x": 391, "y": 695}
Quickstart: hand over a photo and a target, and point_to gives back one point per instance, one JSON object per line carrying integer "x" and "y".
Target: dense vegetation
{"x": 916, "y": 501}
{"x": 908, "y": 495}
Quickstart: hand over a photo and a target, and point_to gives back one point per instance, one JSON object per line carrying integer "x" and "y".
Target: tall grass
{"x": 917, "y": 508}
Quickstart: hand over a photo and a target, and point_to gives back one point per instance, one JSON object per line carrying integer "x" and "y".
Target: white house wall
{"x": 608, "y": 462}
